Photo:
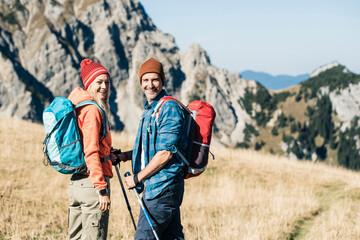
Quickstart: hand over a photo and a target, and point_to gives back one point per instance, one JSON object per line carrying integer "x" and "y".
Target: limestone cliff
{"x": 43, "y": 42}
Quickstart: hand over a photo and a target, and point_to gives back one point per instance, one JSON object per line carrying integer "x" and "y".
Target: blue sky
{"x": 273, "y": 36}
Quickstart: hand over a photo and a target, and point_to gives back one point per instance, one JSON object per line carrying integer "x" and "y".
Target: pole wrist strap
{"x": 136, "y": 181}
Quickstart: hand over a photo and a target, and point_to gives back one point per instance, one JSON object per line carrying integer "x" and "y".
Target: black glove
{"x": 117, "y": 158}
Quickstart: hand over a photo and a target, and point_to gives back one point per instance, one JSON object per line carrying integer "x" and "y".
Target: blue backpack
{"x": 62, "y": 146}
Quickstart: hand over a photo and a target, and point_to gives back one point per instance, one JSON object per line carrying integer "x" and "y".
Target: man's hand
{"x": 104, "y": 203}
{"x": 129, "y": 181}
{"x": 156, "y": 164}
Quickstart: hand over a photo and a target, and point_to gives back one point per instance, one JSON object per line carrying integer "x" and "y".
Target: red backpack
{"x": 200, "y": 117}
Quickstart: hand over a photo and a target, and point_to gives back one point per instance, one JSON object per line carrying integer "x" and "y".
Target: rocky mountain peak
{"x": 43, "y": 42}
{"x": 323, "y": 68}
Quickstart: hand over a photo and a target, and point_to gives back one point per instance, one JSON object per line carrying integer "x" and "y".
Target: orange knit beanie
{"x": 152, "y": 66}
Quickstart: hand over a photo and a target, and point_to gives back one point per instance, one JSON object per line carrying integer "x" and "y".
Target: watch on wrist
{"x": 103, "y": 192}
{"x": 136, "y": 181}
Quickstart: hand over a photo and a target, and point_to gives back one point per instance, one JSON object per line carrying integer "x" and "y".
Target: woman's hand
{"x": 114, "y": 156}
{"x": 104, "y": 203}
{"x": 117, "y": 156}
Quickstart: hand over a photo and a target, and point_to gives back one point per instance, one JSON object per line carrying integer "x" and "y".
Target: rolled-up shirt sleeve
{"x": 170, "y": 123}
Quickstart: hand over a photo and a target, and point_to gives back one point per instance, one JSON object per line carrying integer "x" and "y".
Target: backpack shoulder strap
{"x": 102, "y": 112}
{"x": 183, "y": 108}
{"x": 161, "y": 103}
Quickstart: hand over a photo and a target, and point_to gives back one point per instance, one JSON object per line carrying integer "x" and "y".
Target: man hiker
{"x": 154, "y": 158}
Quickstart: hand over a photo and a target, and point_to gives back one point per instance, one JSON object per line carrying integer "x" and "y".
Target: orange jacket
{"x": 90, "y": 124}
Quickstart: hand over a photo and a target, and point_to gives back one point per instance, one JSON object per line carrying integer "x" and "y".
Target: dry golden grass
{"x": 242, "y": 195}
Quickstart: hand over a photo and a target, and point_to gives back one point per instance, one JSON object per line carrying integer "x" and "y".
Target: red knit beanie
{"x": 90, "y": 70}
{"x": 152, "y": 66}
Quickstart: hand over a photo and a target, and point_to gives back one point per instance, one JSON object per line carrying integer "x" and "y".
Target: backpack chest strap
{"x": 105, "y": 159}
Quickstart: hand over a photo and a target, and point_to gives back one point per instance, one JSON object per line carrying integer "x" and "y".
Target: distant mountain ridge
{"x": 318, "y": 119}
{"x": 271, "y": 82}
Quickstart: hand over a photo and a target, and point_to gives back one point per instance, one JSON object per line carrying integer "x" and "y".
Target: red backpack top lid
{"x": 205, "y": 117}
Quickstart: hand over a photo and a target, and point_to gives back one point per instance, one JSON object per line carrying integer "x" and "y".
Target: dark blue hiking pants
{"x": 164, "y": 211}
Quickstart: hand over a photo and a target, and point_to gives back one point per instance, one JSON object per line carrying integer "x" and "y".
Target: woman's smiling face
{"x": 100, "y": 86}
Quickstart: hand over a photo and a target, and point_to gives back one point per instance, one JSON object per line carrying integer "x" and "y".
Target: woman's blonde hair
{"x": 103, "y": 103}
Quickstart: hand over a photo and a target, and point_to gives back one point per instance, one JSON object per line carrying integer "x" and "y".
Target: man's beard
{"x": 152, "y": 96}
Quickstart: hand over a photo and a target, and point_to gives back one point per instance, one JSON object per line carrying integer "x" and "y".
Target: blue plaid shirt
{"x": 155, "y": 137}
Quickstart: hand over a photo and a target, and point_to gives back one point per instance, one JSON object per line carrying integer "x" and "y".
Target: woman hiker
{"x": 89, "y": 193}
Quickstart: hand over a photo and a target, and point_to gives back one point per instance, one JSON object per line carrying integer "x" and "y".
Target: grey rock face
{"x": 346, "y": 103}
{"x": 44, "y": 42}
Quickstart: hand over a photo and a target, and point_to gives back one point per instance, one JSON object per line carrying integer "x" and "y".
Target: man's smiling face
{"x": 151, "y": 85}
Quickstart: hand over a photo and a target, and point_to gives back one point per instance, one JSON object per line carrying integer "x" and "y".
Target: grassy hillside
{"x": 242, "y": 195}
{"x": 291, "y": 109}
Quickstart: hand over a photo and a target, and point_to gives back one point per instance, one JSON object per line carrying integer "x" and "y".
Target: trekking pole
{"x": 124, "y": 193}
{"x": 143, "y": 209}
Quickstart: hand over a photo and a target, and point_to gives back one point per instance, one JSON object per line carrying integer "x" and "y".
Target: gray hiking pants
{"x": 86, "y": 221}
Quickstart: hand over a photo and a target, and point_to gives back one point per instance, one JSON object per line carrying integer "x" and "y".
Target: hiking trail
{"x": 329, "y": 195}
